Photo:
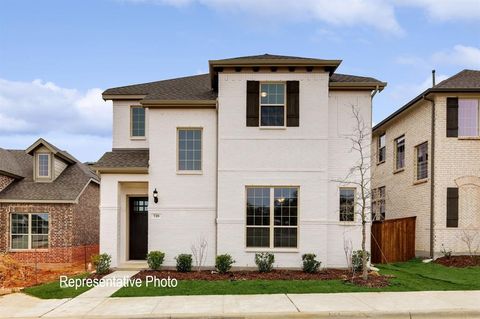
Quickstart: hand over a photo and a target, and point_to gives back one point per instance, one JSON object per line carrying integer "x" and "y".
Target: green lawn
{"x": 409, "y": 276}
{"x": 53, "y": 290}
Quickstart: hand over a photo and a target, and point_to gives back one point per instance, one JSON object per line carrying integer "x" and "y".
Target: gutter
{"x": 216, "y": 179}
{"x": 432, "y": 178}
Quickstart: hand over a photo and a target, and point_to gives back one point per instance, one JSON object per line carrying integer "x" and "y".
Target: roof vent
{"x": 433, "y": 78}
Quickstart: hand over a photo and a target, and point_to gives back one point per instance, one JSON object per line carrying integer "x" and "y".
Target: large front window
{"x": 272, "y": 217}
{"x": 29, "y": 231}
{"x": 190, "y": 149}
{"x": 272, "y": 104}
{"x": 347, "y": 204}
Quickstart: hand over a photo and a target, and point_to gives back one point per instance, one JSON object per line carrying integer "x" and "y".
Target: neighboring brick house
{"x": 426, "y": 163}
{"x": 48, "y": 206}
{"x": 244, "y": 157}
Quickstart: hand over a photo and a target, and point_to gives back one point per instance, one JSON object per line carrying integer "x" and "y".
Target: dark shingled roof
{"x": 123, "y": 159}
{"x": 196, "y": 87}
{"x": 347, "y": 78}
{"x": 269, "y": 57}
{"x": 8, "y": 164}
{"x": 66, "y": 187}
{"x": 463, "y": 81}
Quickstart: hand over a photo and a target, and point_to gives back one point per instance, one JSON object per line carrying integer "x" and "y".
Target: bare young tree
{"x": 469, "y": 239}
{"x": 348, "y": 250}
{"x": 199, "y": 252}
{"x": 359, "y": 176}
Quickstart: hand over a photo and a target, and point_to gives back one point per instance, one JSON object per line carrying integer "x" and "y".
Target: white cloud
{"x": 402, "y": 93}
{"x": 80, "y": 122}
{"x": 378, "y": 14}
{"x": 445, "y": 10}
{"x": 40, "y": 107}
{"x": 461, "y": 55}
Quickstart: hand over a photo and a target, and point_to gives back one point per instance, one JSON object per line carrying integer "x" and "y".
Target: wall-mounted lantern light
{"x": 155, "y": 195}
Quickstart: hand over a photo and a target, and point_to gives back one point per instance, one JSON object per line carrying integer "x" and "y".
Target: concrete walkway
{"x": 459, "y": 304}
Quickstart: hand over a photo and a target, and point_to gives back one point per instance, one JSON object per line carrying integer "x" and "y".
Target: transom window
{"x": 29, "y": 231}
{"x": 138, "y": 121}
{"x": 422, "y": 161}
{"x": 468, "y": 117}
{"x": 272, "y": 104}
{"x": 347, "y": 204}
{"x": 400, "y": 153}
{"x": 381, "y": 149}
{"x": 43, "y": 165}
{"x": 190, "y": 149}
{"x": 272, "y": 217}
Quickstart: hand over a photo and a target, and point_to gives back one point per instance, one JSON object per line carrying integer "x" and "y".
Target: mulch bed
{"x": 374, "y": 280}
{"x": 98, "y": 276}
{"x": 459, "y": 261}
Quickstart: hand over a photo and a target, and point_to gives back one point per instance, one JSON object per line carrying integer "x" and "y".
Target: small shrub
{"x": 184, "y": 262}
{"x": 264, "y": 261}
{"x": 310, "y": 264}
{"x": 446, "y": 253}
{"x": 223, "y": 263}
{"x": 357, "y": 257}
{"x": 102, "y": 263}
{"x": 155, "y": 259}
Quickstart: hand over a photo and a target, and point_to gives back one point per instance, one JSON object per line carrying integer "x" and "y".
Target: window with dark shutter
{"x": 452, "y": 207}
{"x": 253, "y": 102}
{"x": 452, "y": 117}
{"x": 293, "y": 103}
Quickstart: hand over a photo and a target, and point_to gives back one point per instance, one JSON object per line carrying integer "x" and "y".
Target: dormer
{"x": 48, "y": 161}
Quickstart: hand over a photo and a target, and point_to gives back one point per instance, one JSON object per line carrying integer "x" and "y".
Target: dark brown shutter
{"x": 452, "y": 207}
{"x": 253, "y": 102}
{"x": 293, "y": 103}
{"x": 452, "y": 117}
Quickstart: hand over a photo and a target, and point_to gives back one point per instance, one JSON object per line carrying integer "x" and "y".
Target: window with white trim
{"x": 382, "y": 151}
{"x": 29, "y": 231}
{"x": 378, "y": 203}
{"x": 272, "y": 104}
{"x": 400, "y": 153}
{"x": 43, "y": 165}
{"x": 190, "y": 149}
{"x": 272, "y": 217}
{"x": 422, "y": 161}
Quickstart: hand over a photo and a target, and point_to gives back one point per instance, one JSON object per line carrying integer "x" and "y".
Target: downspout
{"x": 216, "y": 178}
{"x": 432, "y": 179}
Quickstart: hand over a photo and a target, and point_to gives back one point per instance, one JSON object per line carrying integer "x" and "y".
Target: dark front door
{"x": 138, "y": 228}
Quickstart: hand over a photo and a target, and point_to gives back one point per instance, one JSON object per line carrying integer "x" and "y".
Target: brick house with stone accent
{"x": 426, "y": 163}
{"x": 49, "y": 202}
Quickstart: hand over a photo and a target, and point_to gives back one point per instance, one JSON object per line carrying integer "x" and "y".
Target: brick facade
{"x": 456, "y": 165}
{"x": 5, "y": 181}
{"x": 73, "y": 229}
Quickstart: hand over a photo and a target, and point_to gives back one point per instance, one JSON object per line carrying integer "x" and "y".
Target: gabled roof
{"x": 462, "y": 82}
{"x": 123, "y": 160}
{"x": 8, "y": 165}
{"x": 200, "y": 90}
{"x": 62, "y": 154}
{"x": 65, "y": 188}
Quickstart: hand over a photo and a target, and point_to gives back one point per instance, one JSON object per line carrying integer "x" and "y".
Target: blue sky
{"x": 56, "y": 57}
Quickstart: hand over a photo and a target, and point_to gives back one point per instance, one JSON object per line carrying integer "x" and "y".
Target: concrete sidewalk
{"x": 458, "y": 304}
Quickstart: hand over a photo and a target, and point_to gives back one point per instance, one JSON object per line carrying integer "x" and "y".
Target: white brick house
{"x": 426, "y": 161}
{"x": 243, "y": 157}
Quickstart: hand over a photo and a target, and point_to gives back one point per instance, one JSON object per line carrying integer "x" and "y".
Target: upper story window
{"x": 422, "y": 161}
{"x": 272, "y": 217}
{"x": 272, "y": 104}
{"x": 462, "y": 117}
{"x": 43, "y": 165}
{"x": 137, "y": 121}
{"x": 29, "y": 231}
{"x": 400, "y": 153}
{"x": 381, "y": 149}
{"x": 190, "y": 149}
{"x": 347, "y": 204}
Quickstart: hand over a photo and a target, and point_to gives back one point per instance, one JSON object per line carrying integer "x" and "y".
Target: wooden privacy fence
{"x": 393, "y": 240}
